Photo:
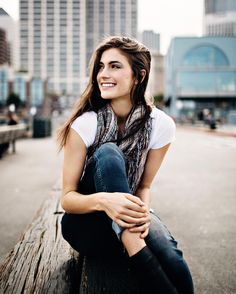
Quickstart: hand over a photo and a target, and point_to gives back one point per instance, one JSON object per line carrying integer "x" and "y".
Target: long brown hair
{"x": 139, "y": 58}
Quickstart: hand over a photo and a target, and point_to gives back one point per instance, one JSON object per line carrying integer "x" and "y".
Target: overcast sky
{"x": 167, "y": 17}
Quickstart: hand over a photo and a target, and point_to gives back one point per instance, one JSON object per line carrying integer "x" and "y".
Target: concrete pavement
{"x": 194, "y": 193}
{"x": 26, "y": 180}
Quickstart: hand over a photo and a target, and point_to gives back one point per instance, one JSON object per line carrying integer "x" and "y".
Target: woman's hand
{"x": 125, "y": 209}
{"x": 143, "y": 229}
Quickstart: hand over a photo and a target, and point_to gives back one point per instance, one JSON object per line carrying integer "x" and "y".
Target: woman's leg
{"x": 110, "y": 165}
{"x": 164, "y": 246}
{"x": 91, "y": 234}
{"x": 146, "y": 266}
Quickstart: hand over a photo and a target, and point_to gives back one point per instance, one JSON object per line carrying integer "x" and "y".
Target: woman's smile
{"x": 107, "y": 85}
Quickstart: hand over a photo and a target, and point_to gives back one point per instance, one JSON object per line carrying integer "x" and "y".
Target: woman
{"x": 114, "y": 143}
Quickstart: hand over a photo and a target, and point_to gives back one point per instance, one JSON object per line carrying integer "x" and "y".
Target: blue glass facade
{"x": 37, "y": 92}
{"x": 205, "y": 55}
{"x": 195, "y": 83}
{"x": 3, "y": 86}
{"x": 20, "y": 88}
{"x": 201, "y": 70}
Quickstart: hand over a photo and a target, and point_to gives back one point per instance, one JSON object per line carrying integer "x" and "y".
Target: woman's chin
{"x": 105, "y": 97}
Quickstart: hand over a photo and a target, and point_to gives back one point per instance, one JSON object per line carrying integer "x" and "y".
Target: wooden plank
{"x": 42, "y": 262}
{"x": 108, "y": 276}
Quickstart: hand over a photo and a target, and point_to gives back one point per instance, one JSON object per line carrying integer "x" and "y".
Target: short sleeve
{"x": 163, "y": 129}
{"x": 86, "y": 126}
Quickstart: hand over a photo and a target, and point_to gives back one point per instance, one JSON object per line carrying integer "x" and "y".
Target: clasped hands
{"x": 127, "y": 211}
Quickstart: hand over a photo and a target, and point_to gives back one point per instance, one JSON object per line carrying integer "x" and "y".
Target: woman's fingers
{"x": 135, "y": 199}
{"x": 140, "y": 228}
{"x": 145, "y": 233}
{"x": 124, "y": 224}
{"x": 132, "y": 220}
{"x": 134, "y": 214}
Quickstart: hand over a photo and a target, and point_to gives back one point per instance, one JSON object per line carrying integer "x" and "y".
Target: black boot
{"x": 149, "y": 272}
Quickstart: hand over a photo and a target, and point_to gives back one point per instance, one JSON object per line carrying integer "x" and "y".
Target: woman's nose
{"x": 104, "y": 72}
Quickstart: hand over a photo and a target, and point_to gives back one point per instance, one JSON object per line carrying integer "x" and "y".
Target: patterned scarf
{"x": 135, "y": 148}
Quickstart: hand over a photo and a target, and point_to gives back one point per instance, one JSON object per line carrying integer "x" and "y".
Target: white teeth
{"x": 108, "y": 85}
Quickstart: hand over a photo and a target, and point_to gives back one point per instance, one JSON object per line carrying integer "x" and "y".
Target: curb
{"x": 216, "y": 132}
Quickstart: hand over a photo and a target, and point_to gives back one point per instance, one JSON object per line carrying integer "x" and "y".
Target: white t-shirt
{"x": 163, "y": 128}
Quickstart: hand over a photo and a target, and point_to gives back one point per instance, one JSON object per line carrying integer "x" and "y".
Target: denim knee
{"x": 109, "y": 151}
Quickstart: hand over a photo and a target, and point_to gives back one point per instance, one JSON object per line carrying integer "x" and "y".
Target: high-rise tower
{"x": 220, "y": 18}
{"x": 109, "y": 17}
{"x": 57, "y": 37}
{"x": 52, "y": 45}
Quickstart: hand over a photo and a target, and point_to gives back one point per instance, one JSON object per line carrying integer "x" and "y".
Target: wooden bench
{"x": 43, "y": 262}
{"x": 9, "y": 134}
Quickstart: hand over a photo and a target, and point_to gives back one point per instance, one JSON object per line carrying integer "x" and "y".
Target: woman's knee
{"x": 109, "y": 151}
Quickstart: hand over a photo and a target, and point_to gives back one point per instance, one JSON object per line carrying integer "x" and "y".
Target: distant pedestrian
{"x": 114, "y": 144}
{"x": 210, "y": 121}
{"x": 12, "y": 118}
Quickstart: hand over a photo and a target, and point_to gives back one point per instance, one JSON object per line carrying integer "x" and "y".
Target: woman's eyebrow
{"x": 111, "y": 62}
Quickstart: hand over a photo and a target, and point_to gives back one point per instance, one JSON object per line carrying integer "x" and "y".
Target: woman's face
{"x": 115, "y": 76}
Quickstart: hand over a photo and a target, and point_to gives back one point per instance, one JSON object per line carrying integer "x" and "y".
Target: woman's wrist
{"x": 100, "y": 201}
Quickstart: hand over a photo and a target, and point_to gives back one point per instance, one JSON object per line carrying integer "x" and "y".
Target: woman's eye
{"x": 115, "y": 66}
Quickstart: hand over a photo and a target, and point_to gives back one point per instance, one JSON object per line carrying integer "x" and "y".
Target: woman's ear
{"x": 143, "y": 74}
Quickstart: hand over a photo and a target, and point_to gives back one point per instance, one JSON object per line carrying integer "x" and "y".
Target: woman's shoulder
{"x": 161, "y": 118}
{"x": 158, "y": 114}
{"x": 163, "y": 129}
{"x": 86, "y": 116}
{"x": 86, "y": 126}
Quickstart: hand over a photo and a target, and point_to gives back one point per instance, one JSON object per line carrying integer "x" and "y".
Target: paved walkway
{"x": 194, "y": 193}
{"x": 26, "y": 180}
{"x": 221, "y": 130}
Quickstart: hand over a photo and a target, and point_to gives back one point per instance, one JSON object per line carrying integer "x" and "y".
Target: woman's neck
{"x": 121, "y": 109}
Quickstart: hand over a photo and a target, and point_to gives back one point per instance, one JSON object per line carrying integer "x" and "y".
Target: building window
{"x": 37, "y": 92}
{"x": 63, "y": 87}
{"x": 206, "y": 82}
{"x": 20, "y": 87}
{"x": 205, "y": 56}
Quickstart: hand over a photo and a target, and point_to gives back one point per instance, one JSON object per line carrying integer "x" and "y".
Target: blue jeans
{"x": 92, "y": 234}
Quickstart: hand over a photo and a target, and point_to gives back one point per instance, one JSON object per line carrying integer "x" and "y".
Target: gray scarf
{"x": 134, "y": 148}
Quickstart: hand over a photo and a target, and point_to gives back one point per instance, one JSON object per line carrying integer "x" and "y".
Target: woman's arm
{"x": 152, "y": 165}
{"x": 127, "y": 210}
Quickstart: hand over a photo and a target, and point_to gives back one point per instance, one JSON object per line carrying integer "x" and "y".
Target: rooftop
{"x": 3, "y": 12}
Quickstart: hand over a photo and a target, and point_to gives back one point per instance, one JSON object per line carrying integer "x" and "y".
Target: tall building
{"x": 11, "y": 34}
{"x": 52, "y": 46}
{"x": 57, "y": 37}
{"x": 109, "y": 17}
{"x": 151, "y": 40}
{"x": 5, "y": 55}
{"x": 156, "y": 81}
{"x": 220, "y": 18}
{"x": 201, "y": 74}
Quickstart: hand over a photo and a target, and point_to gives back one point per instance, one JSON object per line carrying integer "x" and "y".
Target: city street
{"x": 194, "y": 193}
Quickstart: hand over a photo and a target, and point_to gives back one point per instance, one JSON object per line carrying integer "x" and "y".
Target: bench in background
{"x": 9, "y": 134}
